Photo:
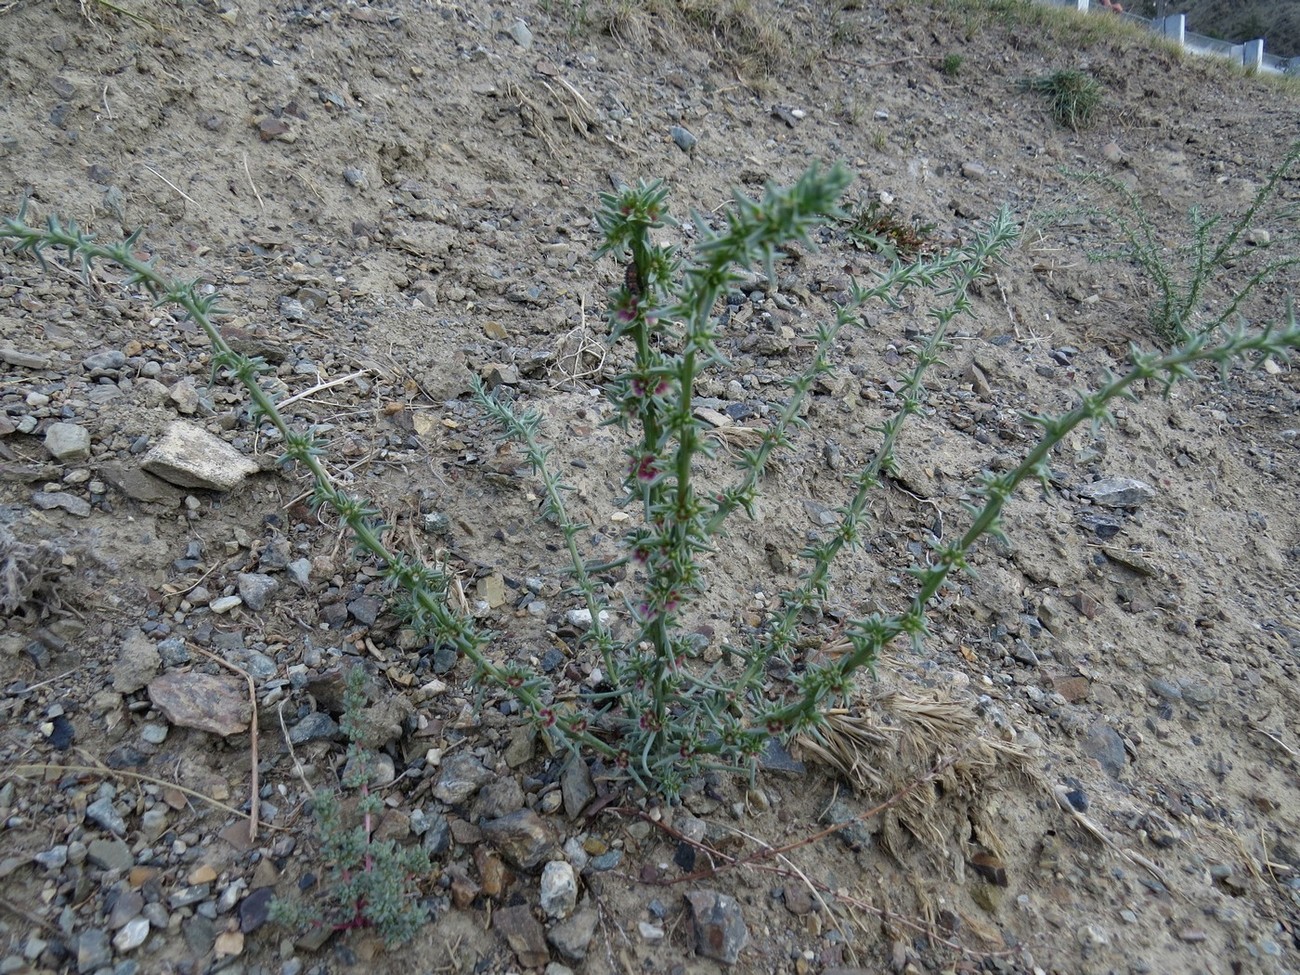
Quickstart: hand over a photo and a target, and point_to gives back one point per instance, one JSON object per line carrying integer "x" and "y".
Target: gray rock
{"x": 317, "y": 725}
{"x": 365, "y": 609}
{"x": 224, "y": 604}
{"x": 1166, "y": 689}
{"x": 718, "y": 925}
{"x": 521, "y": 34}
{"x": 573, "y": 937}
{"x": 522, "y": 838}
{"x": 101, "y": 813}
{"x": 1106, "y": 746}
{"x": 67, "y": 443}
{"x": 54, "y": 858}
{"x": 110, "y": 855}
{"x": 683, "y": 137}
{"x": 191, "y": 457}
{"x": 104, "y": 361}
{"x": 186, "y": 896}
{"x": 777, "y": 758}
{"x": 558, "y": 889}
{"x": 1118, "y": 492}
{"x": 73, "y": 505}
{"x": 139, "y": 485}
{"x": 460, "y": 776}
{"x": 137, "y": 662}
{"x": 576, "y": 787}
{"x": 25, "y": 360}
{"x": 255, "y": 588}
{"x": 300, "y": 571}
{"x": 93, "y": 950}
{"x": 173, "y": 652}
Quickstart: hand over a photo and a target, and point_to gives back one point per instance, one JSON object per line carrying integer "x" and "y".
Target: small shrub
{"x": 369, "y": 883}
{"x": 1073, "y": 96}
{"x": 951, "y": 65}
{"x": 879, "y": 228}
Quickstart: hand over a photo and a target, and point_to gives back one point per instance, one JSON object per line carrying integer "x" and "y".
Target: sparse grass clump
{"x": 880, "y": 228}
{"x": 1073, "y": 96}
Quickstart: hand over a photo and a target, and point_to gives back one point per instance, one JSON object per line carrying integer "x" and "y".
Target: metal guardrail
{"x": 1250, "y": 54}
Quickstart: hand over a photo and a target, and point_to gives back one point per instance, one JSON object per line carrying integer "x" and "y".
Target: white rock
{"x": 559, "y": 889}
{"x": 132, "y": 934}
{"x": 191, "y": 457}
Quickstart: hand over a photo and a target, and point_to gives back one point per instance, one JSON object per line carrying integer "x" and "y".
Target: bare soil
{"x": 400, "y": 195}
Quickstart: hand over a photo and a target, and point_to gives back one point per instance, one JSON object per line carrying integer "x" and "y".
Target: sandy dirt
{"x": 394, "y": 197}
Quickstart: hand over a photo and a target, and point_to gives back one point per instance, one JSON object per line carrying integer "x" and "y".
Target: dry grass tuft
{"x": 890, "y": 739}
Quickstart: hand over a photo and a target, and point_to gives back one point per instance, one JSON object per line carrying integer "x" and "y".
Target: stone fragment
{"x": 1106, "y": 746}
{"x": 139, "y": 485}
{"x": 132, "y": 935}
{"x": 523, "y": 934}
{"x": 1118, "y": 492}
{"x": 460, "y": 776}
{"x": 255, "y": 588}
{"x": 191, "y": 457}
{"x": 137, "y": 662}
{"x": 102, "y": 813}
{"x": 559, "y": 889}
{"x": 109, "y": 854}
{"x": 73, "y": 505}
{"x": 522, "y": 838}
{"x": 576, "y": 787}
{"x": 683, "y": 138}
{"x": 520, "y": 33}
{"x": 212, "y": 703}
{"x": 104, "y": 361}
{"x": 500, "y": 798}
{"x": 572, "y": 937}
{"x": 718, "y": 925}
{"x": 68, "y": 443}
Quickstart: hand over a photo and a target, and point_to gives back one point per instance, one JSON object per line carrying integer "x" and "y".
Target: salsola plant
{"x": 660, "y": 714}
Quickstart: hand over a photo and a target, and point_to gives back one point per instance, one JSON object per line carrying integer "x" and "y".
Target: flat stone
{"x": 104, "y": 361}
{"x": 191, "y": 457}
{"x": 1118, "y": 492}
{"x": 132, "y": 935}
{"x": 73, "y": 505}
{"x": 68, "y": 443}
{"x": 317, "y": 725}
{"x": 523, "y": 933}
{"x": 137, "y": 662}
{"x": 522, "y": 838}
{"x": 718, "y": 925}
{"x": 140, "y": 485}
{"x": 212, "y": 703}
{"x": 110, "y": 854}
